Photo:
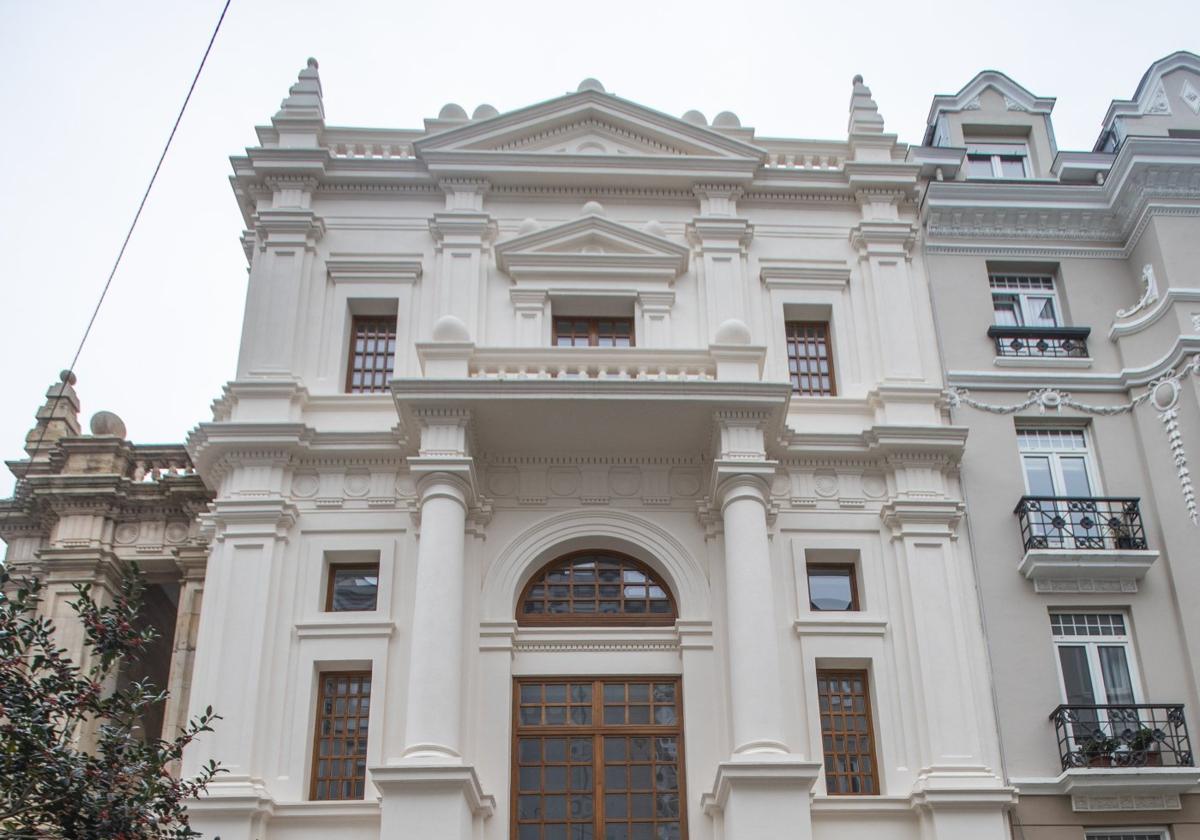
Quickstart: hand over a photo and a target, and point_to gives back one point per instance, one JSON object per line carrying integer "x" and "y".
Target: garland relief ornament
{"x": 1162, "y": 394}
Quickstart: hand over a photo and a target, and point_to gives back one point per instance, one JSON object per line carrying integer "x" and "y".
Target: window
{"x": 1095, "y": 658}
{"x": 593, "y": 332}
{"x": 810, "y": 358}
{"x": 372, "y": 354}
{"x": 832, "y": 587}
{"x": 595, "y": 587}
{"x": 847, "y": 736}
{"x": 1056, "y": 462}
{"x": 598, "y": 759}
{"x": 340, "y": 743}
{"x": 1024, "y": 301}
{"x": 997, "y": 160}
{"x": 352, "y": 588}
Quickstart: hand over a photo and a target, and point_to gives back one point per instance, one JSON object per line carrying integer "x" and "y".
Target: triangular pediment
{"x": 591, "y": 246}
{"x": 588, "y": 136}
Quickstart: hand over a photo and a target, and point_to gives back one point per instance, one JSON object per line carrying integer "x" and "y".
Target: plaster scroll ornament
{"x": 1149, "y": 295}
{"x": 1190, "y": 96}
{"x": 1162, "y": 394}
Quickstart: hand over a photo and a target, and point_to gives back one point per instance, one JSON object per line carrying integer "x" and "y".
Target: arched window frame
{"x": 597, "y": 619}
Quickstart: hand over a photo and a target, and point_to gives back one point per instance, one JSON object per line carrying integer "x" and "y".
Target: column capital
{"x": 445, "y": 478}
{"x": 736, "y": 480}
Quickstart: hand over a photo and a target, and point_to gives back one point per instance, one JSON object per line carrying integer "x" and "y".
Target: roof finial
{"x": 864, "y": 113}
{"x": 304, "y": 98}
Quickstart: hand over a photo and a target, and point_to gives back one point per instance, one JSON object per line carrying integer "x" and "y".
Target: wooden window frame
{"x": 597, "y": 619}
{"x": 597, "y": 730}
{"x": 809, "y": 568}
{"x": 865, "y": 675}
{"x": 792, "y": 342}
{"x": 355, "y": 323}
{"x": 593, "y": 322}
{"x": 334, "y": 568}
{"x": 316, "y": 741}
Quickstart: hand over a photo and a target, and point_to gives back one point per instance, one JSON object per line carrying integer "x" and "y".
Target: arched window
{"x": 596, "y": 587}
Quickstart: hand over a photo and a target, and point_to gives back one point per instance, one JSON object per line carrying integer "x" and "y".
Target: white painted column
{"x": 749, "y": 597}
{"x": 433, "y": 722}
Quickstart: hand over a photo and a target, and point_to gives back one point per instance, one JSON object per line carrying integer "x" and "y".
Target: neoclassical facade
{"x": 594, "y": 474}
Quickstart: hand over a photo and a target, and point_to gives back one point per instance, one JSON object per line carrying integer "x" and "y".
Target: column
{"x": 431, "y": 790}
{"x": 763, "y": 789}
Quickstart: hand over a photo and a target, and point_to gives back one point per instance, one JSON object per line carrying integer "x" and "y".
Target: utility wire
{"x": 129, "y": 234}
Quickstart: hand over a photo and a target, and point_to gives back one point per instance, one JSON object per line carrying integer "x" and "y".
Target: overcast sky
{"x": 88, "y": 91}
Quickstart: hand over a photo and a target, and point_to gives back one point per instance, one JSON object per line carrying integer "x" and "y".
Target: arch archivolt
{"x": 613, "y": 530}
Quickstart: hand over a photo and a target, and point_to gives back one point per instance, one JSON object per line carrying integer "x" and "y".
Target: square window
{"x": 832, "y": 588}
{"x": 352, "y": 588}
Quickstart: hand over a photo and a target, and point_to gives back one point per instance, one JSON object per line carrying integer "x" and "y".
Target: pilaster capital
{"x": 717, "y": 199}
{"x": 713, "y": 234}
{"x": 464, "y": 193}
{"x": 922, "y": 517}
{"x": 288, "y": 227}
{"x": 250, "y": 518}
{"x": 528, "y": 298}
{"x": 656, "y": 301}
{"x": 884, "y": 238}
{"x": 462, "y": 228}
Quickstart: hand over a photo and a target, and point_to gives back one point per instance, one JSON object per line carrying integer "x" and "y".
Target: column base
{"x": 232, "y": 811}
{"x": 430, "y": 800}
{"x": 763, "y": 798}
{"x": 955, "y": 806}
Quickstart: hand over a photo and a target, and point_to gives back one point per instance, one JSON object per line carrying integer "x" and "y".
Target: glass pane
{"x": 354, "y": 589}
{"x": 1012, "y": 167}
{"x": 1075, "y": 477}
{"x": 1006, "y": 310}
{"x": 1038, "y": 478}
{"x": 830, "y": 589}
{"x": 1042, "y": 312}
{"x": 979, "y": 166}
{"x": 1118, "y": 685}
{"x": 1077, "y": 676}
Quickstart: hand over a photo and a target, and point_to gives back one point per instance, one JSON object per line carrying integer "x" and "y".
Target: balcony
{"x": 1064, "y": 345}
{"x": 1122, "y": 757}
{"x": 1080, "y": 544}
{"x": 1140, "y": 735}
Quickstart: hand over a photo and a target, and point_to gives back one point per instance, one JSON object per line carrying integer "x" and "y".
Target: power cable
{"x": 129, "y": 234}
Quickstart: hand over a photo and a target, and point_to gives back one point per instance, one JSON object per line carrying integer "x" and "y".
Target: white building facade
{"x": 592, "y": 474}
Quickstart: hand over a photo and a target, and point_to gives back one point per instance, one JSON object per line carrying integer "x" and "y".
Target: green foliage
{"x": 120, "y": 788}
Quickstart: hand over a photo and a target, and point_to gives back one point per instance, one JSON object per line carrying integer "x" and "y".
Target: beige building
{"x": 1066, "y": 290}
{"x": 592, "y": 474}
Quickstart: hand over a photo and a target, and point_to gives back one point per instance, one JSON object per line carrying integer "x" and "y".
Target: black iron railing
{"x": 1041, "y": 342}
{"x": 1134, "y": 735}
{"x": 1077, "y": 522}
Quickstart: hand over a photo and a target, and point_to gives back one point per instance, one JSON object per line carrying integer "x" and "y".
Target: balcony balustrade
{"x": 592, "y": 363}
{"x": 1040, "y": 342}
{"x": 1122, "y": 736}
{"x": 1089, "y": 524}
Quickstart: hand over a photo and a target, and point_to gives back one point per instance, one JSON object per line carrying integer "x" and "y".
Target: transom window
{"x": 997, "y": 160}
{"x": 810, "y": 358}
{"x": 372, "y": 354}
{"x": 596, "y": 587}
{"x": 598, "y": 759}
{"x": 593, "y": 332}
{"x": 1024, "y": 301}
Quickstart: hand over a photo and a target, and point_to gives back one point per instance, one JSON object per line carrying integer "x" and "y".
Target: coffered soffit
{"x": 591, "y": 246}
{"x": 591, "y": 134}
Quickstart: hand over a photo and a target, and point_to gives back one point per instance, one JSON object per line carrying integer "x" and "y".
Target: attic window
{"x": 998, "y": 160}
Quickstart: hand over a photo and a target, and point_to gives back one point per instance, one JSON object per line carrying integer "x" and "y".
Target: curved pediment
{"x": 588, "y": 137}
{"x": 591, "y": 247}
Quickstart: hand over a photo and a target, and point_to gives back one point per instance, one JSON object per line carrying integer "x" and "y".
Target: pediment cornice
{"x": 591, "y": 246}
{"x": 589, "y": 137}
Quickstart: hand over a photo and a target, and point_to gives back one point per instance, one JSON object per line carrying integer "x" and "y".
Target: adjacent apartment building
{"x": 594, "y": 474}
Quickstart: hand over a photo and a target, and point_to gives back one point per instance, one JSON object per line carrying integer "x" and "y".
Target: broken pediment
{"x": 588, "y": 137}
{"x": 588, "y": 248}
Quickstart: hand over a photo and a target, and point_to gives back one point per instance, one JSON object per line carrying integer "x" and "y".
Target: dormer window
{"x": 998, "y": 160}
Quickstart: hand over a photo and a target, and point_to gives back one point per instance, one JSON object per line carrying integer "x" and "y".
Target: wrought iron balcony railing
{"x": 1081, "y": 523}
{"x": 1133, "y": 735}
{"x": 1041, "y": 342}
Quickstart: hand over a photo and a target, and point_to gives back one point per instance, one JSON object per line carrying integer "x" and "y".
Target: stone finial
{"x": 304, "y": 98}
{"x": 57, "y": 418}
{"x": 864, "y": 113}
{"x": 107, "y": 424}
{"x": 591, "y": 84}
